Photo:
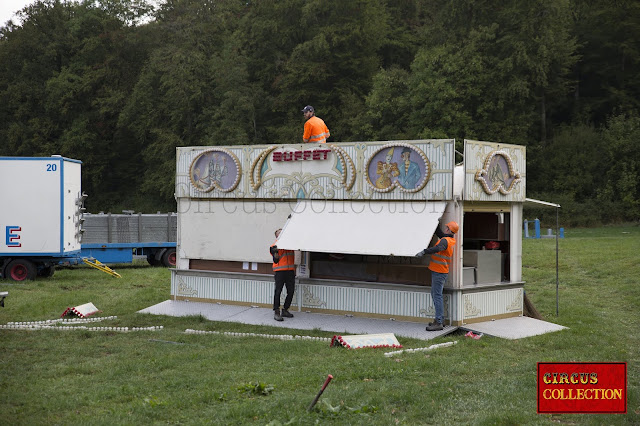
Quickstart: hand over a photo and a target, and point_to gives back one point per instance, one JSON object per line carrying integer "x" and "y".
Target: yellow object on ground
{"x": 95, "y": 263}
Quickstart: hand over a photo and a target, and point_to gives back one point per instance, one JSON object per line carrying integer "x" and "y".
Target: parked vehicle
{"x": 119, "y": 238}
{"x": 40, "y": 215}
{"x": 43, "y": 222}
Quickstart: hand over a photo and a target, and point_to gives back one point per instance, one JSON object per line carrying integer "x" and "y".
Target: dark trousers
{"x": 283, "y": 278}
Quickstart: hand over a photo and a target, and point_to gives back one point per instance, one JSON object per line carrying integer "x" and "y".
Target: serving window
{"x": 486, "y": 248}
{"x": 383, "y": 269}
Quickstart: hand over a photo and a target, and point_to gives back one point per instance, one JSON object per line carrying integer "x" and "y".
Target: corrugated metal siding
{"x": 417, "y": 304}
{"x": 221, "y": 288}
{"x": 496, "y": 302}
{"x": 218, "y": 288}
{"x": 370, "y": 301}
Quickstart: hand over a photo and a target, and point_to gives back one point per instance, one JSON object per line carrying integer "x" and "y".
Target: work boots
{"x": 435, "y": 326}
{"x": 286, "y": 314}
{"x": 277, "y": 316}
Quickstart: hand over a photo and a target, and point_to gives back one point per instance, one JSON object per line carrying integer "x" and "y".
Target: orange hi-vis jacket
{"x": 315, "y": 130}
{"x": 286, "y": 261}
{"x": 441, "y": 260}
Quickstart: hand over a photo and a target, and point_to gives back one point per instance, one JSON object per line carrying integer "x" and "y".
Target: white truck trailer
{"x": 41, "y": 206}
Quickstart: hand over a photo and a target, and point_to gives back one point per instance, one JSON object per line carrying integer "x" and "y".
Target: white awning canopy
{"x": 388, "y": 228}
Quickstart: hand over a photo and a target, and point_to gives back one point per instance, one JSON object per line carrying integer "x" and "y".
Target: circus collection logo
{"x": 582, "y": 387}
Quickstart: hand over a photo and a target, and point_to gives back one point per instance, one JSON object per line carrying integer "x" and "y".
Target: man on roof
{"x": 315, "y": 131}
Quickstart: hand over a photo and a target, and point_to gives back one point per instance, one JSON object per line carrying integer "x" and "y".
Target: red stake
{"x": 315, "y": 400}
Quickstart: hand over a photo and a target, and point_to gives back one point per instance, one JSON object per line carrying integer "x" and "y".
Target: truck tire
{"x": 151, "y": 258}
{"x": 21, "y": 269}
{"x": 169, "y": 258}
{"x": 47, "y": 271}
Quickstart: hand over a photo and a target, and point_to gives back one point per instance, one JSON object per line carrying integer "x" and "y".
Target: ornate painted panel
{"x": 215, "y": 168}
{"x": 391, "y": 170}
{"x": 492, "y": 303}
{"x": 494, "y": 171}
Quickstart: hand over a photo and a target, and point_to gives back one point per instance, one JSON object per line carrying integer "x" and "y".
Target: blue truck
{"x": 119, "y": 238}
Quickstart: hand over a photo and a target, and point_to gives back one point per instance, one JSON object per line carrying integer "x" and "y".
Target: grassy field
{"x": 169, "y": 377}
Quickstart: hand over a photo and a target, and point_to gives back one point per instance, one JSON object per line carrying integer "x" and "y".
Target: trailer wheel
{"x": 21, "y": 269}
{"x": 169, "y": 258}
{"x": 47, "y": 271}
{"x": 151, "y": 258}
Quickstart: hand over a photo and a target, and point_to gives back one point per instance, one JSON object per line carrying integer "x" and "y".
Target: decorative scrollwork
{"x": 494, "y": 178}
{"x": 185, "y": 290}
{"x": 308, "y": 299}
{"x": 216, "y": 170}
{"x": 257, "y": 164}
{"x": 348, "y": 168}
{"x": 470, "y": 310}
{"x": 516, "y": 303}
{"x": 302, "y": 179}
{"x": 431, "y": 310}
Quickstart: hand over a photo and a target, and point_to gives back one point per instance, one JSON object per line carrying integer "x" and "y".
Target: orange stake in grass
{"x": 315, "y": 400}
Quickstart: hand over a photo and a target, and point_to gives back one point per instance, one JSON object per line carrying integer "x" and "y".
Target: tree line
{"x": 119, "y": 84}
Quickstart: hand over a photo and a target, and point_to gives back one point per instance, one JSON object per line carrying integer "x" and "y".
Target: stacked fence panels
{"x": 129, "y": 228}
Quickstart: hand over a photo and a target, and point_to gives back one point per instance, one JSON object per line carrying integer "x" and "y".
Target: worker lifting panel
{"x": 360, "y": 227}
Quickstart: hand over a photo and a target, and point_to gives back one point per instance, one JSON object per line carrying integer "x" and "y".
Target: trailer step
{"x": 95, "y": 263}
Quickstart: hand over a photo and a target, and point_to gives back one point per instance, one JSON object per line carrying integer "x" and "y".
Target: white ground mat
{"x": 339, "y": 324}
{"x": 513, "y": 328}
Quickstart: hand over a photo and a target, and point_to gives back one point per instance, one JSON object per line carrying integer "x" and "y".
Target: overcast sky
{"x": 8, "y": 8}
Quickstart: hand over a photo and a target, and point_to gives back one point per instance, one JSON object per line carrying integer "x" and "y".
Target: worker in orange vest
{"x": 315, "y": 131}
{"x": 285, "y": 275}
{"x": 441, "y": 256}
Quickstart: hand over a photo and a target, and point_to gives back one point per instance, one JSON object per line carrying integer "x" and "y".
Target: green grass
{"x": 106, "y": 378}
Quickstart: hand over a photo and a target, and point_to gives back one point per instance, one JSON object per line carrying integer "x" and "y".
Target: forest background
{"x": 119, "y": 84}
